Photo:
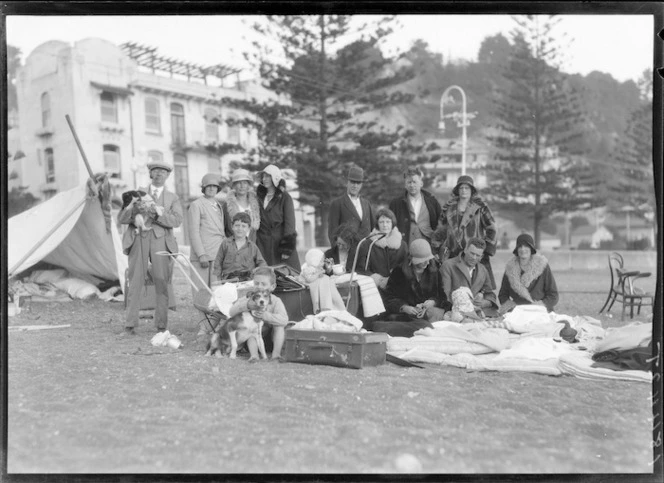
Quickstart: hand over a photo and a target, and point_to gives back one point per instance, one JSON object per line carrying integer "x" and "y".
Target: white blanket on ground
{"x": 579, "y": 364}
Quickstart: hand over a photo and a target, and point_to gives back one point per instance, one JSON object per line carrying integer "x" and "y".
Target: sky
{"x": 620, "y": 45}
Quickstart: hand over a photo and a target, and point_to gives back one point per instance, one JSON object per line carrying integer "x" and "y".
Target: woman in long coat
{"x": 464, "y": 216}
{"x": 276, "y": 237}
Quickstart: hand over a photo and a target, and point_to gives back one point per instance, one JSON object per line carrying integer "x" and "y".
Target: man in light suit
{"x": 142, "y": 247}
{"x": 351, "y": 209}
{"x": 464, "y": 270}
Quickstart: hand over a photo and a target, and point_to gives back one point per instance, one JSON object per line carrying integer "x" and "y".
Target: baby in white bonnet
{"x": 463, "y": 309}
{"x": 324, "y": 293}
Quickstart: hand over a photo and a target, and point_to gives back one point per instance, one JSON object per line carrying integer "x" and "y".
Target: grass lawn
{"x": 81, "y": 400}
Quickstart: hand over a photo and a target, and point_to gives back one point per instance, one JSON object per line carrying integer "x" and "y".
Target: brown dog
{"x": 236, "y": 330}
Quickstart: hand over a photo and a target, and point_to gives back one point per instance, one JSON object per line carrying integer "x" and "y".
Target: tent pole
{"x": 80, "y": 148}
{"x": 45, "y": 237}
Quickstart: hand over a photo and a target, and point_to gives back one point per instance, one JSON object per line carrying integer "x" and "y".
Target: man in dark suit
{"x": 351, "y": 208}
{"x": 417, "y": 211}
{"x": 464, "y": 270}
{"x": 142, "y": 247}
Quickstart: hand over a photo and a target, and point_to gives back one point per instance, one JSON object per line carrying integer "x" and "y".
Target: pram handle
{"x": 179, "y": 263}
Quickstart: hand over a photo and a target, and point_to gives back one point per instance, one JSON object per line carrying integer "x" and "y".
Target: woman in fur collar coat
{"x": 528, "y": 278}
{"x": 379, "y": 256}
{"x": 276, "y": 237}
{"x": 465, "y": 216}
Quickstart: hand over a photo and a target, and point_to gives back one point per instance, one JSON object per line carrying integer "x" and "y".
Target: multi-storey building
{"x": 129, "y": 105}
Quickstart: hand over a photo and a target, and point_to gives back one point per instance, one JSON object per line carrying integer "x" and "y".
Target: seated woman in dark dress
{"x": 343, "y": 251}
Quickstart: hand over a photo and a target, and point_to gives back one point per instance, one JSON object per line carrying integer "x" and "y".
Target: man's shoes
{"x": 127, "y": 332}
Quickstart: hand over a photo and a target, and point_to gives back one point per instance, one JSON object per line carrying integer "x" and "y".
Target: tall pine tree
{"x": 539, "y": 124}
{"x": 633, "y": 185}
{"x": 338, "y": 82}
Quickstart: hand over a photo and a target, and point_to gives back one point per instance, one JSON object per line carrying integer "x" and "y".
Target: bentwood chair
{"x": 623, "y": 288}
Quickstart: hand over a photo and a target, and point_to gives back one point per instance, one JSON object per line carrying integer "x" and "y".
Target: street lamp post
{"x": 462, "y": 120}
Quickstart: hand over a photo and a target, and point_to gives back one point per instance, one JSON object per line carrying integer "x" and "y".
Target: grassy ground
{"x": 81, "y": 400}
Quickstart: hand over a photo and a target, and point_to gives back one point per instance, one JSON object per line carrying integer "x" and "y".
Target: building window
{"x": 177, "y": 124}
{"x": 233, "y": 129}
{"x": 181, "y": 175}
{"x": 109, "y": 107}
{"x": 50, "y": 165}
{"x": 155, "y": 157}
{"x": 46, "y": 109}
{"x": 152, "y": 117}
{"x": 211, "y": 126}
{"x": 112, "y": 160}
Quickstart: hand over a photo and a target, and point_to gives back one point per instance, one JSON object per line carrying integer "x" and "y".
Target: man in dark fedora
{"x": 417, "y": 210}
{"x": 143, "y": 247}
{"x": 351, "y": 208}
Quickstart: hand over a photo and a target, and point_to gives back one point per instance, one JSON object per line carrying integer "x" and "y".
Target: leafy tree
{"x": 539, "y": 124}
{"x": 336, "y": 85}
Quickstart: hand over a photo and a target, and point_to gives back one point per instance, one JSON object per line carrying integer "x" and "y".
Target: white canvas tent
{"x": 69, "y": 231}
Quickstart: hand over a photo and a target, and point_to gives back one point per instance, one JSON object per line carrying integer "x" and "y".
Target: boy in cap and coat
{"x": 351, "y": 209}
{"x": 142, "y": 247}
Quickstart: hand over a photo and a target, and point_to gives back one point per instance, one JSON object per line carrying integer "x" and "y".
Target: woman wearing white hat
{"x": 242, "y": 198}
{"x": 276, "y": 237}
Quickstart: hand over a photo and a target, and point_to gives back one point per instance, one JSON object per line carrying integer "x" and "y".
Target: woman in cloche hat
{"x": 207, "y": 225}
{"x": 276, "y": 237}
{"x": 414, "y": 295}
{"x": 464, "y": 216}
{"x": 528, "y": 278}
{"x": 242, "y": 198}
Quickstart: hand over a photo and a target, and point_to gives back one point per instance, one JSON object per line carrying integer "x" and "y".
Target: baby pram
{"x": 213, "y": 308}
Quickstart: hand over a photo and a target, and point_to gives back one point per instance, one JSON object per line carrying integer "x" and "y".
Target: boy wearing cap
{"x": 143, "y": 247}
{"x": 465, "y": 270}
{"x": 207, "y": 226}
{"x": 351, "y": 208}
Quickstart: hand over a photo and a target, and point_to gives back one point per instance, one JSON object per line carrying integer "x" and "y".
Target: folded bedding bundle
{"x": 441, "y": 345}
{"x": 482, "y": 362}
{"x": 580, "y": 364}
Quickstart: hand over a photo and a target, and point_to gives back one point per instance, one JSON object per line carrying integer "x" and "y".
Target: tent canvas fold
{"x": 78, "y": 243}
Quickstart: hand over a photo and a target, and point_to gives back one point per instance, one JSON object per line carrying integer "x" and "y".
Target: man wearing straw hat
{"x": 142, "y": 247}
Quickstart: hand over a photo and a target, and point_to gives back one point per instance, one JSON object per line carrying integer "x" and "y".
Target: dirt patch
{"x": 100, "y": 404}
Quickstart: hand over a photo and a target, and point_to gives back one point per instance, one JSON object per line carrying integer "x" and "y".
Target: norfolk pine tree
{"x": 538, "y": 126}
{"x": 337, "y": 80}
